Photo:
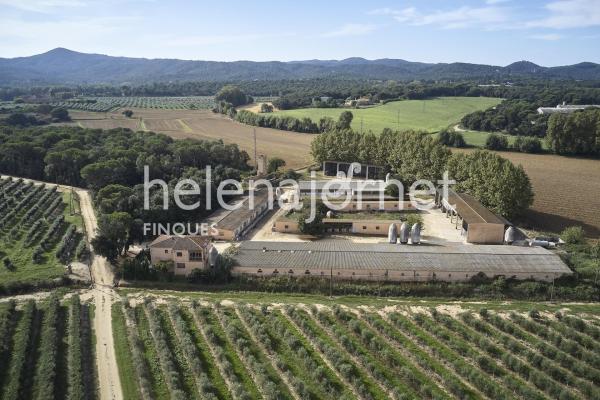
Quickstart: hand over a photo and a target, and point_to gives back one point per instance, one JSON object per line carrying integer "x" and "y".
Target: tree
{"x": 266, "y": 108}
{"x": 128, "y": 113}
{"x": 113, "y": 237}
{"x": 577, "y": 133}
{"x": 274, "y": 164}
{"x": 573, "y": 235}
{"x": 496, "y": 142}
{"x": 234, "y": 95}
{"x": 345, "y": 120}
{"x": 493, "y": 180}
{"x": 60, "y": 114}
{"x": 113, "y": 198}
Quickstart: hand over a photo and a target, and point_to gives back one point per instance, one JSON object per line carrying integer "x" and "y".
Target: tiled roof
{"x": 180, "y": 242}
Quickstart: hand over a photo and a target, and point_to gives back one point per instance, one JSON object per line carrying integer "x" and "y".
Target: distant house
{"x": 565, "y": 108}
{"x": 186, "y": 252}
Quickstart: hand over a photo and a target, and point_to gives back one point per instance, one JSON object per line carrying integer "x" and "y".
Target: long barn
{"x": 380, "y": 262}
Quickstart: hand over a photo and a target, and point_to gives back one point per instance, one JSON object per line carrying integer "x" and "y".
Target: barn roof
{"x": 489, "y": 259}
{"x": 472, "y": 211}
{"x": 180, "y": 242}
{"x": 235, "y": 218}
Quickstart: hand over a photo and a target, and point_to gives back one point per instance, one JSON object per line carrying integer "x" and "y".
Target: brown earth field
{"x": 202, "y": 124}
{"x": 567, "y": 190}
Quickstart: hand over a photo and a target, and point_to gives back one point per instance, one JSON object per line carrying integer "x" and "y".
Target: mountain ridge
{"x": 65, "y": 66}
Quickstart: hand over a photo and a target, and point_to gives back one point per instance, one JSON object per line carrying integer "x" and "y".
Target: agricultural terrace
{"x": 196, "y": 348}
{"x": 39, "y": 236}
{"x": 46, "y": 348}
{"x": 426, "y": 115}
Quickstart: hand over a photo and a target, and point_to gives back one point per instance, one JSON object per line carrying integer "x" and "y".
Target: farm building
{"x": 565, "y": 108}
{"x": 343, "y": 187}
{"x": 186, "y": 252}
{"x": 375, "y": 227}
{"x": 479, "y": 225}
{"x": 332, "y": 168}
{"x": 395, "y": 263}
{"x": 237, "y": 222}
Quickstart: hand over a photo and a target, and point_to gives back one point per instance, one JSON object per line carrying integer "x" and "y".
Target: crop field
{"x": 202, "y": 124}
{"x": 427, "y": 115}
{"x": 46, "y": 348}
{"x": 38, "y": 234}
{"x": 202, "y": 349}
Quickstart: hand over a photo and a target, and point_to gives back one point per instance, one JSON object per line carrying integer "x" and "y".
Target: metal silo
{"x": 415, "y": 234}
{"x": 404, "y": 233}
{"x": 393, "y": 233}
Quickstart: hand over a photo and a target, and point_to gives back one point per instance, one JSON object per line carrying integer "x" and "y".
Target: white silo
{"x": 393, "y": 233}
{"x": 404, "y": 233}
{"x": 415, "y": 234}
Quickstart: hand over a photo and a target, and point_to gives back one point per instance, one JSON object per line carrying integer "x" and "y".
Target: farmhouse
{"x": 186, "y": 252}
{"x": 237, "y": 222}
{"x": 479, "y": 224}
{"x": 395, "y": 263}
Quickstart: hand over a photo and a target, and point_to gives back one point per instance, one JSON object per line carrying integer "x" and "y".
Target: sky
{"x": 498, "y": 32}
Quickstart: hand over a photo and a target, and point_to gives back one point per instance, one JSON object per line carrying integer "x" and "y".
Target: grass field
{"x": 47, "y": 351}
{"x": 428, "y": 115}
{"x": 279, "y": 348}
{"x": 27, "y": 217}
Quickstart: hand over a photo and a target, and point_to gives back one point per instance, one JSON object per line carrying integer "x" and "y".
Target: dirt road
{"x": 104, "y": 295}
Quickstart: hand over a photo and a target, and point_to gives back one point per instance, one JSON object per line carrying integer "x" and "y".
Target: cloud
{"x": 351, "y": 30}
{"x": 565, "y": 14}
{"x": 547, "y": 36}
{"x": 461, "y": 17}
{"x": 42, "y": 6}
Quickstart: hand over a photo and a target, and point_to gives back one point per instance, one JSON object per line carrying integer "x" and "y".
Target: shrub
{"x": 573, "y": 235}
{"x": 526, "y": 144}
{"x": 496, "y": 142}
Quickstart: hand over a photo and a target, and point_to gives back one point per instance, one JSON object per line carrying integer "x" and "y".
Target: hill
{"x": 63, "y": 66}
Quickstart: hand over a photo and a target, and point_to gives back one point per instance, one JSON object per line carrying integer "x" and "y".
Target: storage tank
{"x": 510, "y": 235}
{"x": 329, "y": 214}
{"x": 392, "y": 233}
{"x": 415, "y": 234}
{"x": 213, "y": 256}
{"x": 404, "y": 233}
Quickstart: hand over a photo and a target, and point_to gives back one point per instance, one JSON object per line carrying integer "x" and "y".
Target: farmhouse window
{"x": 291, "y": 271}
{"x": 166, "y": 251}
{"x": 179, "y": 254}
{"x": 287, "y": 226}
{"x": 195, "y": 256}
{"x": 180, "y": 265}
{"x": 377, "y": 228}
{"x": 364, "y": 227}
{"x": 259, "y": 271}
{"x": 307, "y": 272}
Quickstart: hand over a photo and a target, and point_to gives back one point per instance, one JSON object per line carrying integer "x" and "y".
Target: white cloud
{"x": 351, "y": 30}
{"x": 547, "y": 36}
{"x": 496, "y": 1}
{"x": 565, "y": 14}
{"x": 450, "y": 19}
{"x": 42, "y": 6}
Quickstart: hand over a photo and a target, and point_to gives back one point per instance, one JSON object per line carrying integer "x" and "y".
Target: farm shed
{"x": 332, "y": 168}
{"x": 395, "y": 263}
{"x": 237, "y": 222}
{"x": 478, "y": 224}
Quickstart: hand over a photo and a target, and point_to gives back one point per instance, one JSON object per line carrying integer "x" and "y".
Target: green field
{"x": 34, "y": 218}
{"x": 47, "y": 350}
{"x": 197, "y": 347}
{"x": 428, "y": 115}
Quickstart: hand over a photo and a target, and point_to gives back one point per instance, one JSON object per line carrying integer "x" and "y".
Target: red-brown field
{"x": 567, "y": 190}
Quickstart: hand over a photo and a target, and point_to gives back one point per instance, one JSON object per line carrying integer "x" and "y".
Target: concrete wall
{"x": 284, "y": 226}
{"x": 374, "y": 228}
{"x": 388, "y": 205}
{"x": 485, "y": 233}
{"x": 376, "y": 275}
